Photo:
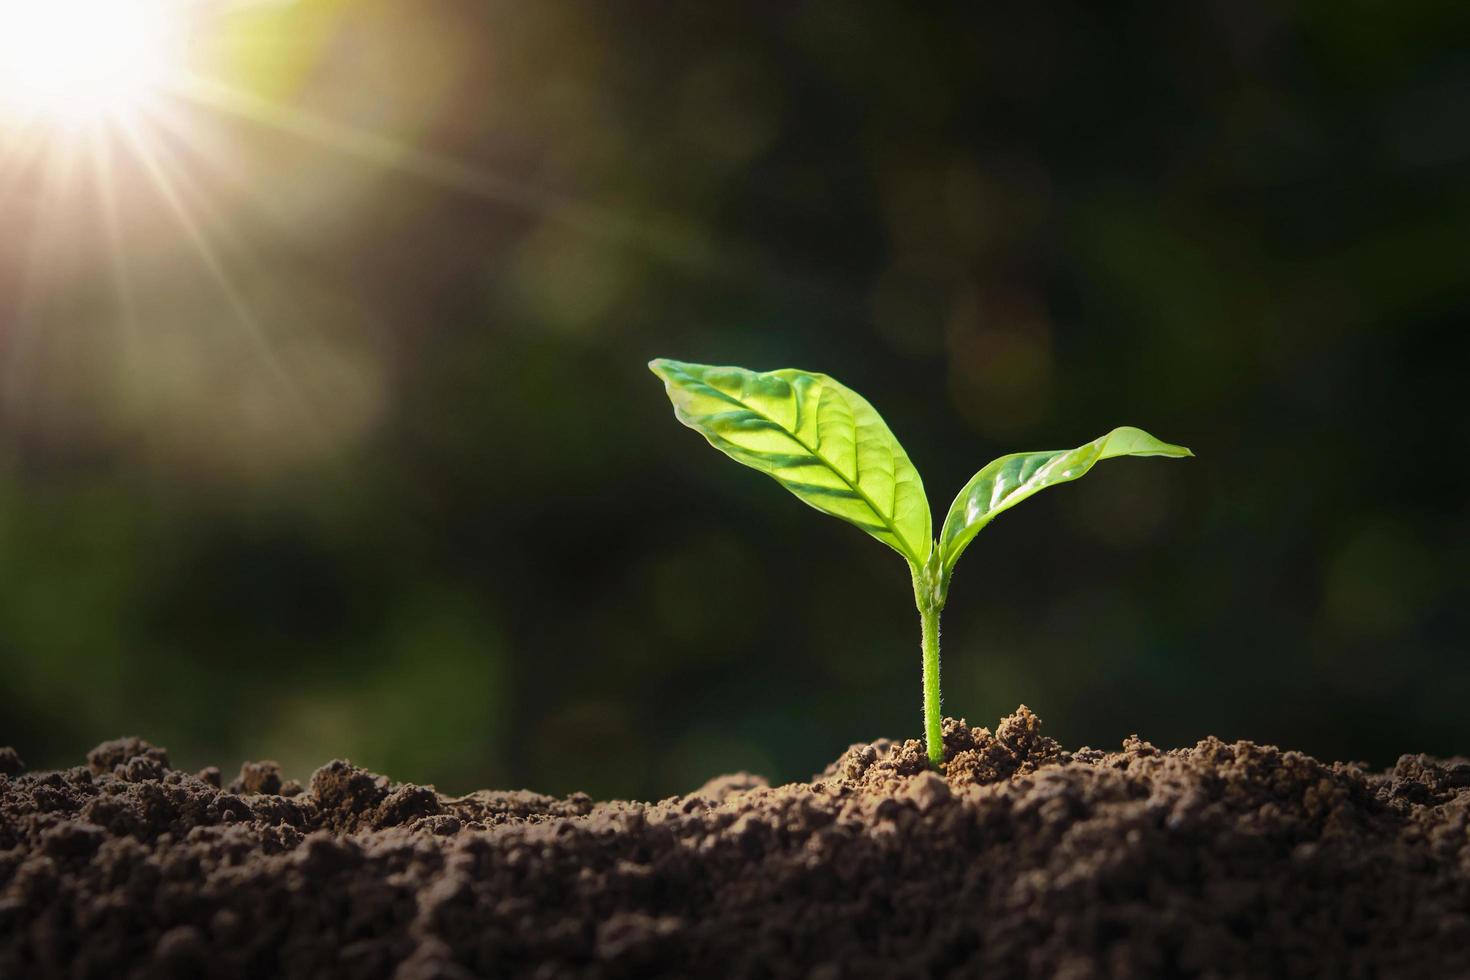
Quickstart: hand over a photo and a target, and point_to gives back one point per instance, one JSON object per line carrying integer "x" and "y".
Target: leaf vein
{"x": 887, "y": 521}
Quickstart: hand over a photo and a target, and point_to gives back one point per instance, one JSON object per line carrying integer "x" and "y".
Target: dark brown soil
{"x": 1022, "y": 860}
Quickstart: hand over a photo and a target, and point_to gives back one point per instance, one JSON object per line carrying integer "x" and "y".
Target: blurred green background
{"x": 325, "y": 428}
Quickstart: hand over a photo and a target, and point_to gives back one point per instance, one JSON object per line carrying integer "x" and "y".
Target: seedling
{"x": 826, "y": 444}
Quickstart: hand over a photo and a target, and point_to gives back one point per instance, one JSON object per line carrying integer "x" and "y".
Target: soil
{"x": 1021, "y": 859}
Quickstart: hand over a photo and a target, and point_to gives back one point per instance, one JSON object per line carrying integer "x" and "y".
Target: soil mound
{"x": 1021, "y": 859}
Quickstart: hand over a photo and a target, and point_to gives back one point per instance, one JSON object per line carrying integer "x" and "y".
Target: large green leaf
{"x": 817, "y": 438}
{"x": 1009, "y": 480}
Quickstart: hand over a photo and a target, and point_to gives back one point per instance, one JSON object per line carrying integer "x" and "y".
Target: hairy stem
{"x": 929, "y": 619}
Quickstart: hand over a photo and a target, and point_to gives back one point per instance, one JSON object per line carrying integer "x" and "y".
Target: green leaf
{"x": 817, "y": 438}
{"x": 1009, "y": 480}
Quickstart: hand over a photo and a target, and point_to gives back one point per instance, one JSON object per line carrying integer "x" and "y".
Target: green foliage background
{"x": 1240, "y": 226}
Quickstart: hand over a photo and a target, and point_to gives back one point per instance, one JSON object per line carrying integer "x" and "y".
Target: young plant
{"x": 826, "y": 444}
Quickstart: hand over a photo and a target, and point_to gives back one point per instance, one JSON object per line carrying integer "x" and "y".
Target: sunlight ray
{"x": 128, "y": 326}
{"x": 103, "y": 180}
{"x": 674, "y": 247}
{"x": 180, "y": 174}
{"x": 665, "y": 241}
{"x": 17, "y": 349}
{"x": 26, "y": 157}
{"x": 217, "y": 160}
{"x": 371, "y": 147}
{"x": 20, "y": 148}
{"x": 209, "y": 258}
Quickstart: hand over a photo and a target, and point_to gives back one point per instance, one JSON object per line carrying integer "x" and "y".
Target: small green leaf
{"x": 817, "y": 438}
{"x": 1007, "y": 481}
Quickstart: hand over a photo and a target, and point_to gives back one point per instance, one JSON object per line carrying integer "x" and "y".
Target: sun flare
{"x": 76, "y": 62}
{"x": 131, "y": 186}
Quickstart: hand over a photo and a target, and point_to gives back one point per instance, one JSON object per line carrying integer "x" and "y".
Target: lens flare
{"x": 76, "y": 62}
{"x": 137, "y": 308}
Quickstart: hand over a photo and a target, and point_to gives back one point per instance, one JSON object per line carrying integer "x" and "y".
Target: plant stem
{"x": 929, "y": 619}
{"x": 933, "y": 732}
